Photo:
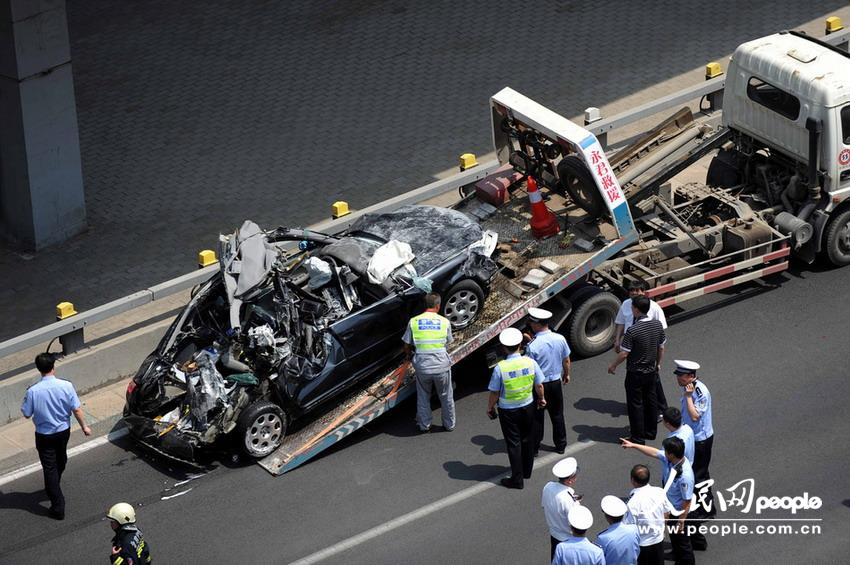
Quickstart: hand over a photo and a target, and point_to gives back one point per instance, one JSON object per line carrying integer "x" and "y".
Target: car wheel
{"x": 838, "y": 240}
{"x": 591, "y": 325}
{"x": 261, "y": 428}
{"x": 462, "y": 303}
{"x": 577, "y": 181}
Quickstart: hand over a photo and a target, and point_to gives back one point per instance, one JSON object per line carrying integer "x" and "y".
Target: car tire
{"x": 462, "y": 303}
{"x": 591, "y": 325}
{"x": 578, "y": 183}
{"x": 838, "y": 240}
{"x": 261, "y": 428}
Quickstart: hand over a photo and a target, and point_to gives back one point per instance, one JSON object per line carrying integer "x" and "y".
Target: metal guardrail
{"x": 72, "y": 328}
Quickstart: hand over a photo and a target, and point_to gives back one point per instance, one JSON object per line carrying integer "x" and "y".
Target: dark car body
{"x": 297, "y": 328}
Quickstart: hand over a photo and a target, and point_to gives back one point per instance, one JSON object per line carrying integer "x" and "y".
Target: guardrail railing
{"x": 70, "y": 330}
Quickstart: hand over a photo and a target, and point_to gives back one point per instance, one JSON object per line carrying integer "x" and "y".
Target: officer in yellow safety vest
{"x": 425, "y": 340}
{"x": 511, "y": 387}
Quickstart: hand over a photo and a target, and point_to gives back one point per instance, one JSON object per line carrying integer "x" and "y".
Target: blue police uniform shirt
{"x": 702, "y": 402}
{"x": 620, "y": 543}
{"x": 578, "y": 551}
{"x": 549, "y": 349}
{"x": 686, "y": 434}
{"x": 49, "y": 402}
{"x": 682, "y": 488}
{"x": 496, "y": 385}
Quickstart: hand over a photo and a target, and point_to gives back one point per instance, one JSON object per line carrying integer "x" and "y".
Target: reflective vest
{"x": 518, "y": 378}
{"x": 429, "y": 331}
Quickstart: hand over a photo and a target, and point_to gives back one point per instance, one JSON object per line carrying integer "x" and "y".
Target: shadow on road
{"x": 613, "y": 408}
{"x": 601, "y": 434}
{"x": 463, "y": 472}
{"x": 29, "y": 501}
{"x": 489, "y": 444}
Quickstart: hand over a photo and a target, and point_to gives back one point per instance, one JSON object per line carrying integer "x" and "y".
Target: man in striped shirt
{"x": 642, "y": 348}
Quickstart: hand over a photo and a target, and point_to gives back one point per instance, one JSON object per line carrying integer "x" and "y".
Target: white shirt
{"x": 557, "y": 501}
{"x": 647, "y": 506}
{"x": 626, "y": 318}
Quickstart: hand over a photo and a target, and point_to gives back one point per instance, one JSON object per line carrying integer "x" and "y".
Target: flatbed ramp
{"x": 502, "y": 309}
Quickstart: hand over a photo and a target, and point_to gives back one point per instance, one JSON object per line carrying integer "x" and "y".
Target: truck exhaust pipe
{"x": 815, "y": 128}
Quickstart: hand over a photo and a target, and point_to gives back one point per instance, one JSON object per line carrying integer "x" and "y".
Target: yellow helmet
{"x": 122, "y": 513}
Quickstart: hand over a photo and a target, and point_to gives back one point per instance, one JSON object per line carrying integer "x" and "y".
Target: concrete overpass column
{"x": 41, "y": 185}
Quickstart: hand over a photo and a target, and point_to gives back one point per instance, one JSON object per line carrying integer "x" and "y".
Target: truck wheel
{"x": 577, "y": 181}
{"x": 724, "y": 171}
{"x": 838, "y": 240}
{"x": 463, "y": 303}
{"x": 591, "y": 325}
{"x": 261, "y": 428}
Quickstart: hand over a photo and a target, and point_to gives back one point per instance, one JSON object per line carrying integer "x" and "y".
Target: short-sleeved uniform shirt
{"x": 549, "y": 349}
{"x": 49, "y": 403}
{"x": 578, "y": 551}
{"x": 686, "y": 434}
{"x": 430, "y": 361}
{"x": 703, "y": 428}
{"x": 641, "y": 341}
{"x": 620, "y": 543}
{"x": 682, "y": 488}
{"x": 497, "y": 385}
{"x": 557, "y": 500}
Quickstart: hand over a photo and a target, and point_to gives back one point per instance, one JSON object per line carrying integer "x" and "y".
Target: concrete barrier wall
{"x": 106, "y": 363}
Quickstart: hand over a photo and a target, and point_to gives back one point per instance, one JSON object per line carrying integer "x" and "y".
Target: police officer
{"x": 696, "y": 413}
{"x": 678, "y": 479}
{"x": 50, "y": 403}
{"x": 557, "y": 500}
{"x": 621, "y": 541}
{"x": 511, "y": 387}
{"x": 428, "y": 334}
{"x": 128, "y": 544}
{"x": 578, "y": 550}
{"x": 552, "y": 353}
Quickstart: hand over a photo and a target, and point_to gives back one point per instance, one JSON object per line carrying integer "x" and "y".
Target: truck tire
{"x": 724, "y": 171}
{"x": 838, "y": 240}
{"x": 462, "y": 303}
{"x": 261, "y": 428}
{"x": 578, "y": 183}
{"x": 591, "y": 325}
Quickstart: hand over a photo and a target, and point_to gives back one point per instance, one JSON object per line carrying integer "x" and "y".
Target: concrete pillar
{"x": 41, "y": 184}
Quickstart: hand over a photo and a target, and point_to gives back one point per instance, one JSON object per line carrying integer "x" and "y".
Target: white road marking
{"x": 405, "y": 519}
{"x": 82, "y": 448}
{"x": 170, "y": 496}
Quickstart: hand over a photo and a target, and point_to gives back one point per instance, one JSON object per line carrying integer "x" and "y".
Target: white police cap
{"x": 580, "y": 517}
{"x": 685, "y": 367}
{"x": 510, "y": 337}
{"x": 565, "y": 468}
{"x": 613, "y": 506}
{"x": 539, "y": 314}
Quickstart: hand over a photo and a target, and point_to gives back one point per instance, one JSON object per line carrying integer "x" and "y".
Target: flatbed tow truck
{"x": 622, "y": 220}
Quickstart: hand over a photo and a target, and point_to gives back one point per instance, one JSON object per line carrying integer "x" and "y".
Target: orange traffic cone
{"x": 543, "y": 221}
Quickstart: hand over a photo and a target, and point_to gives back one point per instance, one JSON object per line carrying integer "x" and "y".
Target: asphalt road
{"x": 773, "y": 361}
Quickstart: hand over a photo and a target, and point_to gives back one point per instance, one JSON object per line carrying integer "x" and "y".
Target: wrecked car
{"x": 279, "y": 332}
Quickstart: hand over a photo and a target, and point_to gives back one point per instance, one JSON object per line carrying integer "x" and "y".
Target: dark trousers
{"x": 53, "y": 454}
{"x": 554, "y": 543}
{"x": 651, "y": 554}
{"x": 518, "y": 429}
{"x": 702, "y": 458}
{"x": 554, "y": 393}
{"x": 683, "y": 553}
{"x": 660, "y": 397}
{"x": 642, "y": 405}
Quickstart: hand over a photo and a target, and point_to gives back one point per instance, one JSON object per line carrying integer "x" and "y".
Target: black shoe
{"x": 424, "y": 430}
{"x": 508, "y": 483}
{"x": 445, "y": 429}
{"x": 55, "y": 514}
{"x": 560, "y": 450}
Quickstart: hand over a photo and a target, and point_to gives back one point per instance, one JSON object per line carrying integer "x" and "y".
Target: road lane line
{"x": 436, "y": 506}
{"x": 82, "y": 448}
